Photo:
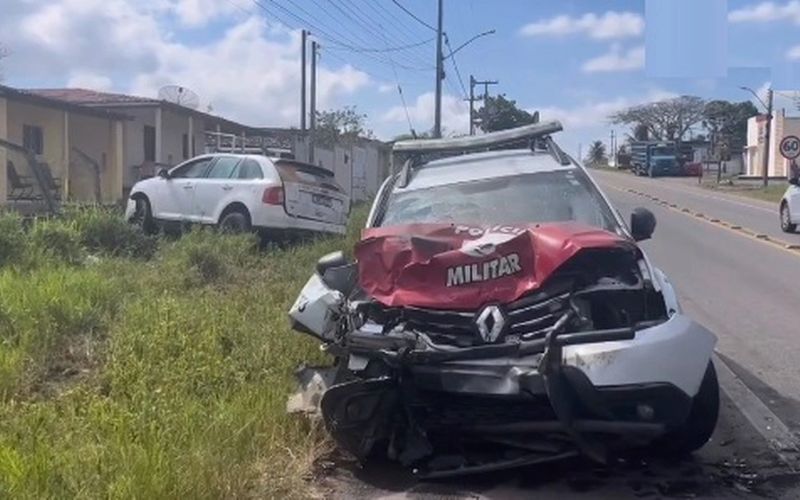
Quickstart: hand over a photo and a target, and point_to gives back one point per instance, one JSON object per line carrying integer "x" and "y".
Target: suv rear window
{"x": 307, "y": 174}
{"x": 558, "y": 196}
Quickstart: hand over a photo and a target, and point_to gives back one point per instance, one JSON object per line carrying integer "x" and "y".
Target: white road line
{"x": 778, "y": 435}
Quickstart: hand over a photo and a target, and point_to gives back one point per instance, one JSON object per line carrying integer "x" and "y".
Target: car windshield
{"x": 663, "y": 151}
{"x": 558, "y": 196}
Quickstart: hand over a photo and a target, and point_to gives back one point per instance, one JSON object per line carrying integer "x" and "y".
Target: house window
{"x": 149, "y": 143}
{"x": 185, "y": 146}
{"x": 33, "y": 139}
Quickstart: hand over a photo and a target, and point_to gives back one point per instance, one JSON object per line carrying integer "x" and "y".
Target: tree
{"x": 666, "y": 120}
{"x": 500, "y": 113}
{"x": 597, "y": 154}
{"x": 726, "y": 122}
{"x": 340, "y": 126}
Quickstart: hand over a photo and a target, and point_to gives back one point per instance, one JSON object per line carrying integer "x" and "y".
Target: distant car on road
{"x": 790, "y": 206}
{"x": 240, "y": 192}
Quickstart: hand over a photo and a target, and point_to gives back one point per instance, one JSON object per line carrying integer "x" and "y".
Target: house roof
{"x": 42, "y": 100}
{"x": 116, "y": 101}
{"x": 89, "y": 97}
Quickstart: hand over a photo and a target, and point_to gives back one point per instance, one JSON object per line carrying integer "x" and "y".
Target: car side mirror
{"x": 331, "y": 260}
{"x": 643, "y": 224}
{"x": 794, "y": 181}
{"x": 337, "y": 272}
{"x": 163, "y": 173}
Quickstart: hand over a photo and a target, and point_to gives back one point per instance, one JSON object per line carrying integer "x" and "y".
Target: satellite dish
{"x": 179, "y": 95}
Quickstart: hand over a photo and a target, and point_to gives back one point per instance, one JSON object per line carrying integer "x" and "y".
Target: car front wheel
{"x": 786, "y": 219}
{"x": 143, "y": 216}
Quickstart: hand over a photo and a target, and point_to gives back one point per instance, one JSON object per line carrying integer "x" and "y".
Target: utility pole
{"x": 611, "y": 153}
{"x": 303, "y": 37}
{"x": 767, "y": 131}
{"x": 313, "y": 117}
{"x": 471, "y": 105}
{"x": 437, "y": 110}
{"x": 580, "y": 152}
{"x": 472, "y": 84}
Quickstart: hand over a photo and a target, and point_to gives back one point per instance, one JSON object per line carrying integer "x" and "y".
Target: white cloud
{"x": 609, "y": 25}
{"x": 596, "y": 113}
{"x": 87, "y": 80}
{"x": 794, "y": 53}
{"x": 616, "y": 59}
{"x": 766, "y": 12}
{"x": 197, "y": 13}
{"x": 249, "y": 72}
{"x": 385, "y": 88}
{"x": 455, "y": 114}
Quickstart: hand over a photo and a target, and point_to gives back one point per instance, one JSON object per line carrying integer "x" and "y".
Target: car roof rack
{"x": 536, "y": 133}
{"x": 477, "y": 142}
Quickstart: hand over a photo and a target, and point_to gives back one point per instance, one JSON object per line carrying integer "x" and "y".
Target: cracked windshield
{"x": 399, "y": 249}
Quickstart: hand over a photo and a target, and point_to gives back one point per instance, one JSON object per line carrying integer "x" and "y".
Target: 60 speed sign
{"x": 790, "y": 147}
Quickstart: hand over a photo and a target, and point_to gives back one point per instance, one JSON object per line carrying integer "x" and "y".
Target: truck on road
{"x": 654, "y": 158}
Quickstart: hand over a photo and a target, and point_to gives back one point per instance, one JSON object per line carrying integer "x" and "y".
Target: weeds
{"x": 161, "y": 378}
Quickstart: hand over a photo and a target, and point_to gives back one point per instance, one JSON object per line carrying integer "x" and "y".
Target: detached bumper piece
{"x": 420, "y": 419}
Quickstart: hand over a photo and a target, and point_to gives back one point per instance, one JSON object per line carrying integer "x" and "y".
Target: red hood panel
{"x": 444, "y": 266}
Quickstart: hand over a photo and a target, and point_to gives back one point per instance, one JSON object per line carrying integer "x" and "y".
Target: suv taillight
{"x": 273, "y": 196}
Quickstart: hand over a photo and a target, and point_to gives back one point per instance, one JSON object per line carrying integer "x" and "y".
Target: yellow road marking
{"x": 790, "y": 248}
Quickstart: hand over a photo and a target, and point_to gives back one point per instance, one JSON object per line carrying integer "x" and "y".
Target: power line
{"x": 392, "y": 49}
{"x": 413, "y": 15}
{"x": 455, "y": 65}
{"x": 390, "y": 20}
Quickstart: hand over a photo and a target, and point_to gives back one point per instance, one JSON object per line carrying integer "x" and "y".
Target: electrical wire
{"x": 455, "y": 65}
{"x": 413, "y": 15}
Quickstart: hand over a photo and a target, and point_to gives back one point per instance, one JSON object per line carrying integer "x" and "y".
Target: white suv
{"x": 790, "y": 207}
{"x": 241, "y": 193}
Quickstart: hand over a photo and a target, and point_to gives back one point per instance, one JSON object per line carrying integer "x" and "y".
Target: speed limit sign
{"x": 790, "y": 147}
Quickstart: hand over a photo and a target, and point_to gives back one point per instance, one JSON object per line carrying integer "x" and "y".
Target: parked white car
{"x": 790, "y": 207}
{"x": 242, "y": 192}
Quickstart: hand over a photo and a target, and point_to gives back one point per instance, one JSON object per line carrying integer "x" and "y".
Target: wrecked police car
{"x": 499, "y": 313}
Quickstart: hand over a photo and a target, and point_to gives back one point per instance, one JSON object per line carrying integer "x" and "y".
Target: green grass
{"x": 772, "y": 193}
{"x": 156, "y": 376}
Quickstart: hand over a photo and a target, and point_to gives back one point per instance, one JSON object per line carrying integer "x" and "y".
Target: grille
{"x": 529, "y": 317}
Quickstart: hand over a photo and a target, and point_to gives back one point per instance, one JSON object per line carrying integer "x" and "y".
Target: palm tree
{"x": 597, "y": 154}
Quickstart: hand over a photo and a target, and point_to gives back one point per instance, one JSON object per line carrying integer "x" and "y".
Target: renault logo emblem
{"x": 490, "y": 322}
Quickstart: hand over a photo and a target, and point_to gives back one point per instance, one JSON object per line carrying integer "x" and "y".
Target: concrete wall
{"x": 3, "y": 152}
{"x": 781, "y": 127}
{"x": 173, "y": 126}
{"x": 52, "y": 122}
{"x": 359, "y": 169}
{"x": 97, "y": 138}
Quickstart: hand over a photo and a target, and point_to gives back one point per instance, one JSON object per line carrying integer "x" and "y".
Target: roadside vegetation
{"x": 772, "y": 193}
{"x": 142, "y": 368}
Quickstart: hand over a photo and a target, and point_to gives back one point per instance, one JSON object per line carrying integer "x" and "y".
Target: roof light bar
{"x": 478, "y": 141}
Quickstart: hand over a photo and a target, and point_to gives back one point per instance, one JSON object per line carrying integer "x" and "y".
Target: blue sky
{"x": 574, "y": 60}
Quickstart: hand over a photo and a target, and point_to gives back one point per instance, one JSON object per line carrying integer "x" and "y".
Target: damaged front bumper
{"x": 455, "y": 410}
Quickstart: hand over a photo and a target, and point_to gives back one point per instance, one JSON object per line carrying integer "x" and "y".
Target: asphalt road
{"x": 747, "y": 291}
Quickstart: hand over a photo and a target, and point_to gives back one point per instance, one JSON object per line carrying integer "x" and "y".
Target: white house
{"x": 782, "y": 126}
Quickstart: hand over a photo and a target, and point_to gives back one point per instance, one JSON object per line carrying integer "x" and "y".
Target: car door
{"x": 176, "y": 194}
{"x": 214, "y": 189}
{"x": 312, "y": 193}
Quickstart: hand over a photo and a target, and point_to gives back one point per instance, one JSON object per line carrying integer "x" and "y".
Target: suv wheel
{"x": 786, "y": 219}
{"x": 143, "y": 216}
{"x": 235, "y": 222}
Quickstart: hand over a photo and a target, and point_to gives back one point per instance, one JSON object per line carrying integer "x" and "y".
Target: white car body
{"x": 202, "y": 190}
{"x": 791, "y": 199}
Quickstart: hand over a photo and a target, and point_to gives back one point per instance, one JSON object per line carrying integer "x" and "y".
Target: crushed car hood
{"x": 454, "y": 266}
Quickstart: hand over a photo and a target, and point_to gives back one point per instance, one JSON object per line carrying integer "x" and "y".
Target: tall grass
{"x": 162, "y": 378}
